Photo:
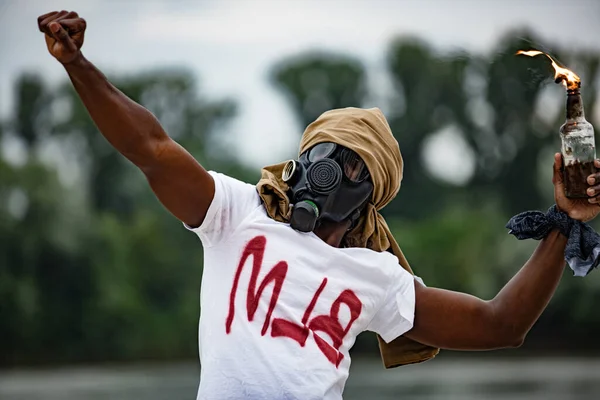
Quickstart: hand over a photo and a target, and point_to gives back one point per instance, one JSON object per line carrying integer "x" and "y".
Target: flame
{"x": 568, "y": 78}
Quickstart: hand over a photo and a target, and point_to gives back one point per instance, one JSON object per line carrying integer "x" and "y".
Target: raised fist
{"x": 64, "y": 33}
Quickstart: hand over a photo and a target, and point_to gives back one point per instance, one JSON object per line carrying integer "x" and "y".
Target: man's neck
{"x": 332, "y": 233}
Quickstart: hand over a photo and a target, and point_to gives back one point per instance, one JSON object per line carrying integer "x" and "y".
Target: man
{"x": 296, "y": 267}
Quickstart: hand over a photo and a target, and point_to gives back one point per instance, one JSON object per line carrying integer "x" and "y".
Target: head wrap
{"x": 365, "y": 131}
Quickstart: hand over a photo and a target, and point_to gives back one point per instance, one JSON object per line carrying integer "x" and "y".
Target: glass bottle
{"x": 578, "y": 147}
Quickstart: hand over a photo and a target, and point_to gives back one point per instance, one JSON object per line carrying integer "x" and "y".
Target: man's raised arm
{"x": 177, "y": 179}
{"x": 458, "y": 321}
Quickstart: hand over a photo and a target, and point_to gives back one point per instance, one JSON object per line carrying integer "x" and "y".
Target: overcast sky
{"x": 232, "y": 44}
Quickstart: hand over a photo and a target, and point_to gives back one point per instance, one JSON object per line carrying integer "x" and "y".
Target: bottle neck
{"x": 574, "y": 105}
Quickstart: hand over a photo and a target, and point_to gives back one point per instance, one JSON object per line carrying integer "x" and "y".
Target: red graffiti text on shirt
{"x": 328, "y": 324}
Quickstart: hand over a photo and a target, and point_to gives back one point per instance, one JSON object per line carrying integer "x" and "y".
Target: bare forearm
{"x": 128, "y": 126}
{"x": 523, "y": 299}
{"x": 459, "y": 321}
{"x": 178, "y": 180}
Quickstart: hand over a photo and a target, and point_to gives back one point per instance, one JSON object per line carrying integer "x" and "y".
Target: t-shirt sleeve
{"x": 232, "y": 203}
{"x": 396, "y": 314}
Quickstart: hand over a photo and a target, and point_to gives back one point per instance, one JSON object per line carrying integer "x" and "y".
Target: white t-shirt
{"x": 280, "y": 309}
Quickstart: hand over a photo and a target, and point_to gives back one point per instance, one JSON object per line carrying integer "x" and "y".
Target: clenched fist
{"x": 64, "y": 33}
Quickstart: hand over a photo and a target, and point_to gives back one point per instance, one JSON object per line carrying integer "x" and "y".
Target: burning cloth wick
{"x": 568, "y": 78}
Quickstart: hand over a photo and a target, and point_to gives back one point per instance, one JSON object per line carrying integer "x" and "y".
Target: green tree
{"x": 429, "y": 97}
{"x": 98, "y": 270}
{"x": 172, "y": 96}
{"x": 32, "y": 114}
{"x": 315, "y": 83}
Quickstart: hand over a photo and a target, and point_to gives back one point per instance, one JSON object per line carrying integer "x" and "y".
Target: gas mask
{"x": 328, "y": 182}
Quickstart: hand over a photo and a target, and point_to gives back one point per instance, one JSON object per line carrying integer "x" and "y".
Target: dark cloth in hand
{"x": 583, "y": 244}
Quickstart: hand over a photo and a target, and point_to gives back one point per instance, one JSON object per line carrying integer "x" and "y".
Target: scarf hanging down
{"x": 368, "y": 134}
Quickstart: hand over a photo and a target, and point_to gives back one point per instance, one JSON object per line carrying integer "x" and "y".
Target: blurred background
{"x": 99, "y": 286}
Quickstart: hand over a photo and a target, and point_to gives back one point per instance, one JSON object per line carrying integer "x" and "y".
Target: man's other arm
{"x": 459, "y": 321}
{"x": 181, "y": 184}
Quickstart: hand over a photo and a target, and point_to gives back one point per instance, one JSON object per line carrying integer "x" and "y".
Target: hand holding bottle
{"x": 581, "y": 209}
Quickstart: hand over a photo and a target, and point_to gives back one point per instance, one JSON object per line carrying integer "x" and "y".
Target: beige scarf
{"x": 369, "y": 135}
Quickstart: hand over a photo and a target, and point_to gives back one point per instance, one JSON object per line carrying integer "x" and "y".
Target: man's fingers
{"x": 62, "y": 36}
{"x": 69, "y": 15}
{"x": 593, "y": 191}
{"x": 74, "y": 24}
{"x": 595, "y": 177}
{"x": 46, "y": 21}
{"x": 557, "y": 178}
{"x": 63, "y": 17}
{"x": 43, "y": 17}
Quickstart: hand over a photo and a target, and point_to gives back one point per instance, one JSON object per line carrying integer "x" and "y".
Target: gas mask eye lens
{"x": 354, "y": 167}
{"x": 320, "y": 151}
